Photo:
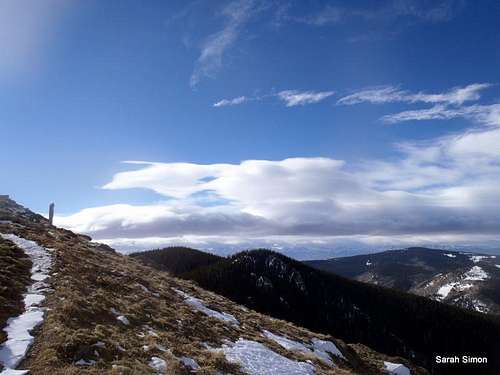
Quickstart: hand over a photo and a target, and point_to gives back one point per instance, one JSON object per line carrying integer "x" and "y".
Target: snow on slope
{"x": 257, "y": 359}
{"x": 396, "y": 368}
{"x": 445, "y": 290}
{"x": 158, "y": 364}
{"x": 318, "y": 348}
{"x": 476, "y": 273}
{"x": 197, "y": 304}
{"x": 19, "y": 328}
{"x": 479, "y": 258}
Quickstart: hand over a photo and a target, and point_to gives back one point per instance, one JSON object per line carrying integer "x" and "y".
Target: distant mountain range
{"x": 468, "y": 280}
{"x": 387, "y": 320}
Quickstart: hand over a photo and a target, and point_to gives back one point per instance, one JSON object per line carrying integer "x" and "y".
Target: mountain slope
{"x": 104, "y": 313}
{"x": 467, "y": 280}
{"x": 388, "y": 320}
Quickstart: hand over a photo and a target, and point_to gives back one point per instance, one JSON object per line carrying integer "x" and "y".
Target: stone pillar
{"x": 51, "y": 213}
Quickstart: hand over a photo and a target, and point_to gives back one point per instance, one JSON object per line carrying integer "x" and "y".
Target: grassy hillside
{"x": 109, "y": 314}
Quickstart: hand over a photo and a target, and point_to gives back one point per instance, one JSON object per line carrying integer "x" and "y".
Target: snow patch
{"x": 189, "y": 362}
{"x": 462, "y": 287}
{"x": 99, "y": 344}
{"x": 257, "y": 359}
{"x": 19, "y": 328}
{"x": 198, "y": 305}
{"x": 480, "y": 306}
{"x": 445, "y": 290}
{"x": 84, "y": 362}
{"x": 121, "y": 318}
{"x": 497, "y": 265}
{"x": 287, "y": 343}
{"x": 159, "y": 364}
{"x": 322, "y": 347}
{"x": 476, "y": 273}
{"x": 318, "y": 348}
{"x": 147, "y": 290}
{"x": 9, "y": 371}
{"x": 368, "y": 263}
{"x": 396, "y": 368}
{"x": 478, "y": 258}
{"x": 450, "y": 255}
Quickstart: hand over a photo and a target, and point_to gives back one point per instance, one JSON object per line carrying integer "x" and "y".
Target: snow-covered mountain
{"x": 70, "y": 306}
{"x": 465, "y": 279}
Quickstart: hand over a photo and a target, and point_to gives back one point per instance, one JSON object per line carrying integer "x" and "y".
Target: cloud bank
{"x": 447, "y": 188}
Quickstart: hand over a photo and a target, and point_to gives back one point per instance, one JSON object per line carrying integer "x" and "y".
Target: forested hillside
{"x": 388, "y": 320}
{"x": 176, "y": 260}
{"x": 465, "y": 279}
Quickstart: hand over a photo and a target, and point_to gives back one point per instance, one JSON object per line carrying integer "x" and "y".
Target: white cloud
{"x": 485, "y": 114}
{"x": 390, "y": 94}
{"x": 295, "y": 97}
{"x": 438, "y": 112}
{"x": 291, "y": 98}
{"x": 377, "y": 95}
{"x": 447, "y": 105}
{"x": 230, "y": 102}
{"x": 26, "y": 29}
{"x": 237, "y": 13}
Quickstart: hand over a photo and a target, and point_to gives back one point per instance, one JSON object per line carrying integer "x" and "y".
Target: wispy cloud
{"x": 428, "y": 11}
{"x": 485, "y": 114}
{"x": 447, "y": 105}
{"x": 230, "y": 102}
{"x": 236, "y": 13}
{"x": 328, "y": 15}
{"x": 294, "y": 97}
{"x": 291, "y": 98}
{"x": 422, "y": 11}
{"x": 389, "y": 94}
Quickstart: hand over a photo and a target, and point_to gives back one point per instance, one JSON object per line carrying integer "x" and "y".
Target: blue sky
{"x": 316, "y": 90}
